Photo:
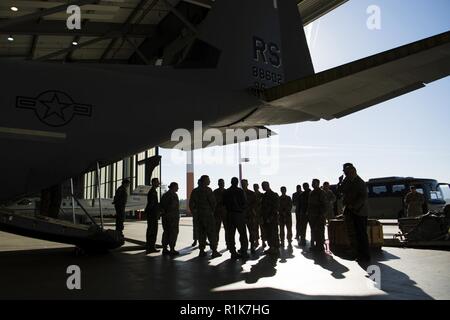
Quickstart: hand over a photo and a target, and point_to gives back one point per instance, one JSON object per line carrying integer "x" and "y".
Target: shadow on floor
{"x": 286, "y": 253}
{"x": 42, "y": 274}
{"x": 264, "y": 268}
{"x": 327, "y": 262}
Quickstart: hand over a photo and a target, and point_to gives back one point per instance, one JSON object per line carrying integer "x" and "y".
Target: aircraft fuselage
{"x": 57, "y": 121}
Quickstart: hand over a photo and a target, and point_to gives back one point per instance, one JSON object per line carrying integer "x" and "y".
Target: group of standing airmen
{"x": 237, "y": 209}
{"x": 168, "y": 209}
{"x": 267, "y": 216}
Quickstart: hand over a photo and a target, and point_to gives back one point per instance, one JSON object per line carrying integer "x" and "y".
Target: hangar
{"x": 163, "y": 33}
{"x": 128, "y": 31}
{"x": 145, "y": 32}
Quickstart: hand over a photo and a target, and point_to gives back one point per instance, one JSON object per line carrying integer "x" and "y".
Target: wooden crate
{"x": 338, "y": 235}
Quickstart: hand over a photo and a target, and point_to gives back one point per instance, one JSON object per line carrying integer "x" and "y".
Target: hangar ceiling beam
{"x": 125, "y": 28}
{"x": 56, "y": 28}
{"x": 77, "y": 39}
{"x": 34, "y": 42}
{"x": 33, "y": 47}
{"x": 72, "y": 48}
{"x": 95, "y": 61}
{"x": 45, "y": 12}
{"x": 202, "y": 3}
{"x": 136, "y": 49}
{"x": 169, "y": 29}
{"x": 180, "y": 16}
{"x": 136, "y": 24}
{"x": 310, "y": 9}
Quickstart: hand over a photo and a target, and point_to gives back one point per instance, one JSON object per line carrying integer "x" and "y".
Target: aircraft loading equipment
{"x": 89, "y": 238}
{"x": 427, "y": 231}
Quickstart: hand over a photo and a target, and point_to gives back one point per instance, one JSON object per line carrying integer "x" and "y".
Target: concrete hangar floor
{"x": 34, "y": 269}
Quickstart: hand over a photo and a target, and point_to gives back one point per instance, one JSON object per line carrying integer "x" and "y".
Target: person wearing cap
{"x": 170, "y": 216}
{"x": 356, "y": 211}
{"x": 120, "y": 201}
{"x": 152, "y": 211}
{"x": 414, "y": 203}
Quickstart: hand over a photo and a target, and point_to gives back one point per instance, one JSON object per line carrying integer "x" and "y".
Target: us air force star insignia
{"x": 54, "y": 108}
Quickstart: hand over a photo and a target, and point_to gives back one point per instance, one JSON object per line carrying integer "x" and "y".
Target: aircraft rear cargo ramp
{"x": 91, "y": 238}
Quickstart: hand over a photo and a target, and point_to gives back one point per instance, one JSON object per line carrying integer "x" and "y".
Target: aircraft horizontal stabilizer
{"x": 212, "y": 137}
{"x": 355, "y": 86}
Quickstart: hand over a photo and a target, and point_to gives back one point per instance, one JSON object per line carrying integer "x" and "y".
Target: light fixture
{"x": 15, "y": 9}
{"x": 74, "y": 43}
{"x": 10, "y": 38}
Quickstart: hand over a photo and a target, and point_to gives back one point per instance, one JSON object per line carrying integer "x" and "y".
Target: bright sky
{"x": 407, "y": 136}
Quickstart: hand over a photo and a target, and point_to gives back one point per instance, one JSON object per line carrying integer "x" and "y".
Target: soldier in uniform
{"x": 414, "y": 203}
{"x": 356, "y": 211}
{"x": 152, "y": 211}
{"x": 285, "y": 217}
{"x": 236, "y": 203}
{"x": 170, "y": 215}
{"x": 296, "y": 203}
{"x": 331, "y": 199}
{"x": 220, "y": 213}
{"x": 194, "y": 218}
{"x": 251, "y": 217}
{"x": 258, "y": 196}
{"x": 269, "y": 208}
{"x": 303, "y": 208}
{"x": 120, "y": 201}
{"x": 317, "y": 206}
{"x": 203, "y": 203}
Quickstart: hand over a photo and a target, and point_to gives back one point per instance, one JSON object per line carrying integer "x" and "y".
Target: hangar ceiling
{"x": 113, "y": 31}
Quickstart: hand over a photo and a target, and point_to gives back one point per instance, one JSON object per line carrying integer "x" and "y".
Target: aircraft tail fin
{"x": 262, "y": 42}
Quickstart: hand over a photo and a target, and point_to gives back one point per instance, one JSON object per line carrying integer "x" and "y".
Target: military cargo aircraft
{"x": 59, "y": 120}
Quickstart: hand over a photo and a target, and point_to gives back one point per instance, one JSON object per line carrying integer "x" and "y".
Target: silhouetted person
{"x": 194, "y": 217}
{"x": 414, "y": 203}
{"x": 296, "y": 203}
{"x": 285, "y": 217}
{"x": 202, "y": 201}
{"x": 220, "y": 213}
{"x": 170, "y": 216}
{"x": 258, "y": 196}
{"x": 356, "y": 211}
{"x": 269, "y": 208}
{"x": 303, "y": 203}
{"x": 317, "y": 206}
{"x": 251, "y": 218}
{"x": 120, "y": 201}
{"x": 235, "y": 203}
{"x": 152, "y": 211}
{"x": 331, "y": 199}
